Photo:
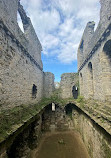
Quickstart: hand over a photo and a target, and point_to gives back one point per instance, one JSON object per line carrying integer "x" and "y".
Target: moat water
{"x": 62, "y": 145}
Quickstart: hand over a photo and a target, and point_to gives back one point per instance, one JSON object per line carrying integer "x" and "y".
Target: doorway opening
{"x": 75, "y": 92}
{"x": 34, "y": 91}
{"x": 90, "y": 80}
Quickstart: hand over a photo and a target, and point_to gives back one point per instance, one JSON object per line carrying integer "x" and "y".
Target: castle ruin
{"x": 22, "y": 80}
{"x": 94, "y": 57}
{"x": 29, "y": 104}
{"x": 69, "y": 85}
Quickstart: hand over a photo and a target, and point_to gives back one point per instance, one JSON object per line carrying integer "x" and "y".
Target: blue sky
{"x": 59, "y": 25}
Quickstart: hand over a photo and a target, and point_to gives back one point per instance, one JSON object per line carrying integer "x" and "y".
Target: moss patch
{"x": 12, "y": 119}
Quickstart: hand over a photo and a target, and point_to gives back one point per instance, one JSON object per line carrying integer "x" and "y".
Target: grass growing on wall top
{"x": 13, "y": 118}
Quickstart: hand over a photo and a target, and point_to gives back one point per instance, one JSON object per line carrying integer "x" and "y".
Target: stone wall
{"x": 24, "y": 141}
{"x": 48, "y": 84}
{"x": 21, "y": 70}
{"x": 34, "y": 46}
{"x": 27, "y": 141}
{"x": 94, "y": 62}
{"x": 8, "y": 15}
{"x": 87, "y": 35}
{"x": 56, "y": 120}
{"x": 68, "y": 81}
{"x": 97, "y": 141}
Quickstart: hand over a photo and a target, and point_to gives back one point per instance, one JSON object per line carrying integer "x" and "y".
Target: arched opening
{"x": 90, "y": 66}
{"x": 107, "y": 50}
{"x": 19, "y": 21}
{"x": 106, "y": 70}
{"x": 34, "y": 91}
{"x": 81, "y": 75}
{"x": 53, "y": 120}
{"x": 68, "y": 109}
{"x": 75, "y": 92}
{"x": 81, "y": 46}
{"x": 81, "y": 84}
{"x": 90, "y": 80}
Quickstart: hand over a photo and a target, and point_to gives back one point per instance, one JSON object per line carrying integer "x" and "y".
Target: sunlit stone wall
{"x": 94, "y": 61}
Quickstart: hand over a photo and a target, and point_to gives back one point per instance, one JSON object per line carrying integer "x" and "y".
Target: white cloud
{"x": 66, "y": 6}
{"x": 59, "y": 24}
{"x": 67, "y": 27}
{"x": 45, "y": 20}
{"x": 68, "y": 53}
{"x": 49, "y": 41}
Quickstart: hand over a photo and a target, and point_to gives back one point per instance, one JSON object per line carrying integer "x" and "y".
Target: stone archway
{"x": 106, "y": 70}
{"x": 75, "y": 91}
{"x": 53, "y": 120}
{"x": 90, "y": 80}
{"x": 81, "y": 83}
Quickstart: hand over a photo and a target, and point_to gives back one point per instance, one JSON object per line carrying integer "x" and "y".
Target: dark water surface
{"x": 62, "y": 145}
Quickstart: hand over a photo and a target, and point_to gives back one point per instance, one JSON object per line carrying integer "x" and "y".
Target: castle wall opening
{"x": 90, "y": 80}
{"x": 81, "y": 83}
{"x": 75, "y": 92}
{"x": 106, "y": 69}
{"x": 68, "y": 109}
{"x": 19, "y": 21}
{"x": 82, "y": 46}
{"x": 34, "y": 91}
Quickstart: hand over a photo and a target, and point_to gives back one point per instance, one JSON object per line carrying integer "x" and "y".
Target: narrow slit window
{"x": 34, "y": 91}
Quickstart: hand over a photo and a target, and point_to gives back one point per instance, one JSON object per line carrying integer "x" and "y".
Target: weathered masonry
{"x": 22, "y": 79}
{"x": 94, "y": 57}
{"x": 24, "y": 142}
{"x": 69, "y": 85}
{"x": 24, "y": 119}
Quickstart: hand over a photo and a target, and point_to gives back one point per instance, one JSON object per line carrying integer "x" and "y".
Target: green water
{"x": 62, "y": 145}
